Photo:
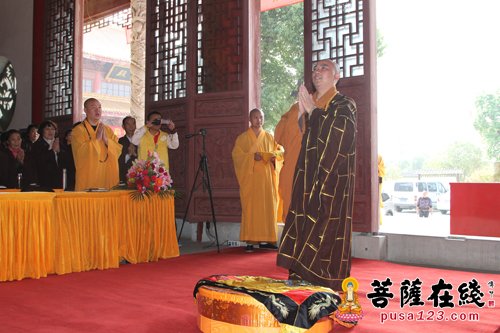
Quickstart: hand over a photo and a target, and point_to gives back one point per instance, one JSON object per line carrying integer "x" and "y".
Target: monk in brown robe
{"x": 288, "y": 133}
{"x": 316, "y": 241}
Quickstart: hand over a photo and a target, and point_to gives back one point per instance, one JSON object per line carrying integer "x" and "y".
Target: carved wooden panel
{"x": 219, "y": 144}
{"x": 224, "y": 206}
{"x": 344, "y": 31}
{"x": 59, "y": 58}
{"x": 167, "y": 55}
{"x": 219, "y": 108}
{"x": 220, "y": 48}
{"x": 198, "y": 74}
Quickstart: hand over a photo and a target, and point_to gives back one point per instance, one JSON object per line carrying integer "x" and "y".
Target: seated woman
{"x": 11, "y": 160}
{"x": 30, "y": 138}
{"x": 46, "y": 157}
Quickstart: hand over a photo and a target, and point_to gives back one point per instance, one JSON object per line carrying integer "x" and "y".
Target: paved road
{"x": 408, "y": 222}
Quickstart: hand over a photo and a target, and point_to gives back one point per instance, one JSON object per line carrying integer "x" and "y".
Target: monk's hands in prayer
{"x": 306, "y": 102}
{"x": 56, "y": 148}
{"x": 101, "y": 134}
{"x": 257, "y": 157}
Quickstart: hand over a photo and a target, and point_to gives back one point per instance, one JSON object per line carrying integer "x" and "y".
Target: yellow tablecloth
{"x": 63, "y": 232}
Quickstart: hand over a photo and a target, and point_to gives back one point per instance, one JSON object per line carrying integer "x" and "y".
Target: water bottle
{"x": 64, "y": 180}
{"x": 19, "y": 178}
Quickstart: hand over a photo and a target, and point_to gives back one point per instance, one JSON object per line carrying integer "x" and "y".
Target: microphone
{"x": 202, "y": 132}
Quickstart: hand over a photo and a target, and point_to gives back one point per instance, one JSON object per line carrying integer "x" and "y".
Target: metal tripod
{"x": 205, "y": 181}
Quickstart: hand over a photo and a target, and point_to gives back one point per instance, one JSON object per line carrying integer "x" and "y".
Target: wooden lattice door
{"x": 200, "y": 73}
{"x": 344, "y": 30}
{"x": 58, "y": 95}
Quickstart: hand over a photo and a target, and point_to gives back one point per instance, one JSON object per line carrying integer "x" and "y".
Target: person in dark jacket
{"x": 12, "y": 160}
{"x": 129, "y": 150}
{"x": 46, "y": 157}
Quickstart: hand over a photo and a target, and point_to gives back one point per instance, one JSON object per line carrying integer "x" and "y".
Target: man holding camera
{"x": 150, "y": 137}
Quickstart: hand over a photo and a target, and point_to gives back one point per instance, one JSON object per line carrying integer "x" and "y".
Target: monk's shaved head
{"x": 255, "y": 111}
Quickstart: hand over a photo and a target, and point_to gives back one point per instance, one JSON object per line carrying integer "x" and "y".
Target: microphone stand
{"x": 203, "y": 168}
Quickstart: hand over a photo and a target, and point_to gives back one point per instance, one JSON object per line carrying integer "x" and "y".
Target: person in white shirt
{"x": 150, "y": 137}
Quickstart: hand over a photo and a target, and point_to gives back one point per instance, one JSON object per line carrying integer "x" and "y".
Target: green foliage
{"x": 487, "y": 122}
{"x": 381, "y": 45}
{"x": 483, "y": 174}
{"x": 463, "y": 156}
{"x": 282, "y": 60}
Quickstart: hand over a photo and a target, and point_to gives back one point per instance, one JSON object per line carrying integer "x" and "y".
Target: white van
{"x": 405, "y": 193}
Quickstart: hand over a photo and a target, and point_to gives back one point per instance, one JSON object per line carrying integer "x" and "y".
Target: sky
{"x": 440, "y": 56}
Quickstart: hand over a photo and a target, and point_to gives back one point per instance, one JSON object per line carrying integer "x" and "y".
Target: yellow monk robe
{"x": 288, "y": 133}
{"x": 381, "y": 175}
{"x": 96, "y": 165}
{"x": 258, "y": 182}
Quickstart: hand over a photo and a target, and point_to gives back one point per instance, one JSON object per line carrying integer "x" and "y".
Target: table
{"x": 64, "y": 232}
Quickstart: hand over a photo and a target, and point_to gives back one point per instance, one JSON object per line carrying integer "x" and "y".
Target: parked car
{"x": 443, "y": 203}
{"x": 388, "y": 205}
{"x": 406, "y": 192}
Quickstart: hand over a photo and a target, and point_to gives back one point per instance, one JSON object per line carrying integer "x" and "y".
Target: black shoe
{"x": 267, "y": 246}
{"x": 294, "y": 276}
{"x": 249, "y": 248}
{"x": 124, "y": 262}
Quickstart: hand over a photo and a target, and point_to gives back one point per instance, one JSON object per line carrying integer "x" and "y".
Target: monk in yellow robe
{"x": 288, "y": 133}
{"x": 255, "y": 157}
{"x": 95, "y": 150}
{"x": 381, "y": 175}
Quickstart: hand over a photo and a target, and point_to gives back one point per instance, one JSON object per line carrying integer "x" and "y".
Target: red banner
{"x": 273, "y": 4}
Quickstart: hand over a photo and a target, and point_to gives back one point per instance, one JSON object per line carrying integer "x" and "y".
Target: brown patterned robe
{"x": 316, "y": 241}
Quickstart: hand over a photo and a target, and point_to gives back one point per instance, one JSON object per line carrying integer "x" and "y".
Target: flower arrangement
{"x": 149, "y": 177}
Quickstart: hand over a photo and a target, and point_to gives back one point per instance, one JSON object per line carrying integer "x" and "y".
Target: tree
{"x": 487, "y": 122}
{"x": 282, "y": 60}
{"x": 380, "y": 44}
{"x": 464, "y": 156}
